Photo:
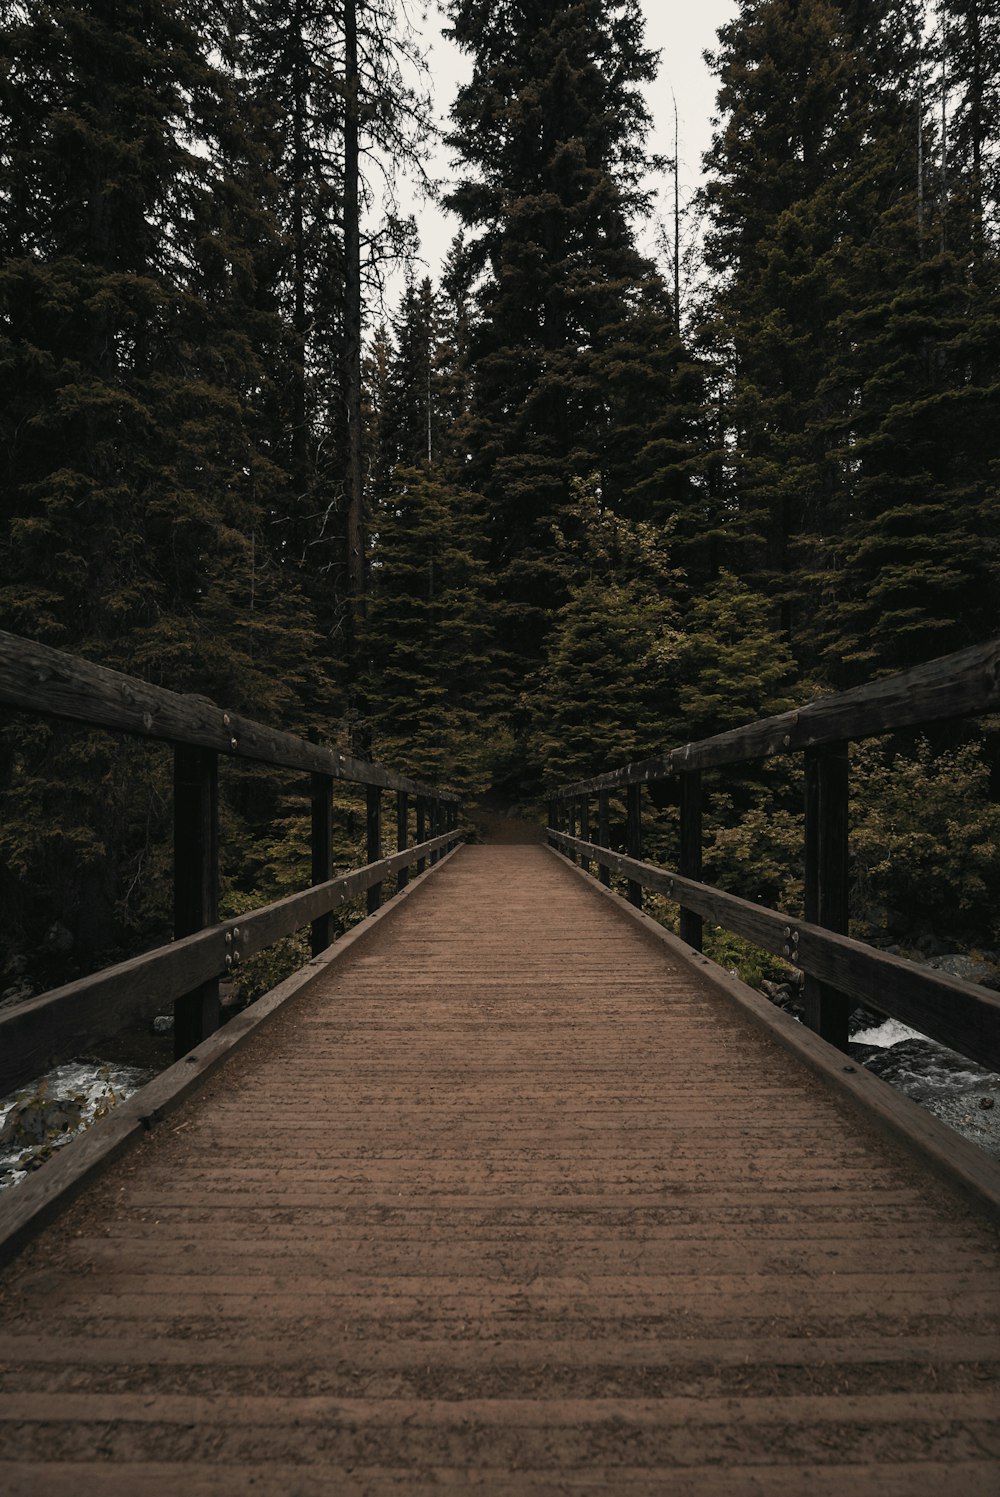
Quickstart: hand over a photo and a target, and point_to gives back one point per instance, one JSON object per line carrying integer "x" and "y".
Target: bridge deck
{"x": 507, "y": 1201}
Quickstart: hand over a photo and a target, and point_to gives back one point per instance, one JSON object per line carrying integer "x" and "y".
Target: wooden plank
{"x": 964, "y": 684}
{"x": 24, "y": 1211}
{"x": 603, "y": 834}
{"x": 34, "y": 677}
{"x": 691, "y": 850}
{"x": 374, "y": 799}
{"x": 956, "y": 1013}
{"x": 58, "y": 1025}
{"x": 633, "y": 838}
{"x": 402, "y": 836}
{"x": 197, "y": 1013}
{"x": 947, "y": 1152}
{"x": 826, "y": 878}
{"x": 322, "y": 930}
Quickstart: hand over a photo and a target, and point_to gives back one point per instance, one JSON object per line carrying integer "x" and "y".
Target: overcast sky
{"x": 680, "y": 30}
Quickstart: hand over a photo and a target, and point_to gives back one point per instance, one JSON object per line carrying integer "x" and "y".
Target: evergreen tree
{"x": 133, "y": 522}
{"x": 602, "y": 697}
{"x": 551, "y": 133}
{"x": 433, "y": 673}
{"x": 860, "y": 487}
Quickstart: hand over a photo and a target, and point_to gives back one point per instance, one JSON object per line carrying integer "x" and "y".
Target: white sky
{"x": 681, "y": 30}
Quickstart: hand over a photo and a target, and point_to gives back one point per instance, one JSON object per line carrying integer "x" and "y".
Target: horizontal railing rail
{"x": 959, "y": 1013}
{"x": 35, "y": 677}
{"x": 960, "y": 685}
{"x": 54, "y": 1026}
{"x": 838, "y": 972}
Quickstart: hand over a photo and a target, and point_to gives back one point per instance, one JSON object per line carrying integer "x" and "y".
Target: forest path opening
{"x": 511, "y": 1199}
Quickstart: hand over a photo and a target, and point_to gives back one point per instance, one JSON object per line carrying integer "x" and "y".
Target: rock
{"x": 930, "y": 946}
{"x": 15, "y": 966}
{"x": 58, "y": 939}
{"x": 163, "y": 1024}
{"x": 17, "y": 993}
{"x": 923, "y": 1069}
{"x": 957, "y": 964}
{"x": 986, "y": 1103}
{"x": 36, "y": 1117}
{"x": 863, "y": 1018}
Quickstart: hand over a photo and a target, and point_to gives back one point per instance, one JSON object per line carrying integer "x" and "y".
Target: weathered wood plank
{"x": 55, "y": 1026}
{"x": 321, "y": 848}
{"x": 826, "y": 878}
{"x": 23, "y": 1213}
{"x": 34, "y": 677}
{"x": 959, "y": 685}
{"x": 197, "y": 1013}
{"x": 956, "y": 1013}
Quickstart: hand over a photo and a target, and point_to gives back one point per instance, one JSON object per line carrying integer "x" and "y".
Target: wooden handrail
{"x": 957, "y": 1013}
{"x": 838, "y": 971}
{"x": 959, "y": 685}
{"x": 35, "y": 677}
{"x": 56, "y": 1025}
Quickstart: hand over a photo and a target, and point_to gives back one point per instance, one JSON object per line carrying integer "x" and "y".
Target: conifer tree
{"x": 433, "y": 673}
{"x": 551, "y": 133}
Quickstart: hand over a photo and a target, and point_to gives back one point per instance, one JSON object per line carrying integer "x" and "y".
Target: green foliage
{"x": 925, "y": 840}
{"x": 730, "y": 664}
{"x": 433, "y": 675}
{"x": 601, "y": 697}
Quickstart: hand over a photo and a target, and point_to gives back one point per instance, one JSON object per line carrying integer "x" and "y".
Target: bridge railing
{"x": 839, "y": 972}
{"x": 55, "y": 1026}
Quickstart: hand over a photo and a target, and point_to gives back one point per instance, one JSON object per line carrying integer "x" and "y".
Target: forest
{"x": 564, "y": 507}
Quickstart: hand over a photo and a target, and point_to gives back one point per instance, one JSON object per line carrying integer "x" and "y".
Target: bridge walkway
{"x": 509, "y": 1200}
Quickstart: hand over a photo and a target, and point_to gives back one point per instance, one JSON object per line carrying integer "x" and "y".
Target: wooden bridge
{"x": 510, "y": 1189}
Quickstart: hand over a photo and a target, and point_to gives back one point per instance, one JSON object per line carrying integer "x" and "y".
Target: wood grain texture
{"x": 510, "y": 1200}
{"x": 55, "y": 1026}
{"x": 34, "y": 677}
{"x": 961, "y": 685}
{"x": 958, "y": 1013}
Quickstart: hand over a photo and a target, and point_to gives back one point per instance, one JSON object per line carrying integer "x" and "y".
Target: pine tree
{"x": 433, "y": 674}
{"x": 551, "y": 133}
{"x": 133, "y": 520}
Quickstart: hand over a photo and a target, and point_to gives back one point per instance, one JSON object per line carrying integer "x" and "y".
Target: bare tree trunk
{"x": 355, "y": 529}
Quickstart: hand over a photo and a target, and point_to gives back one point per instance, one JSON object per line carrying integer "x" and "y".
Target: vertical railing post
{"x": 421, "y": 829}
{"x": 691, "y": 840}
{"x": 633, "y": 837}
{"x": 196, "y": 882}
{"x": 604, "y": 833}
{"x": 374, "y": 797}
{"x": 585, "y": 830}
{"x": 826, "y": 869}
{"x": 402, "y": 835}
{"x": 435, "y": 826}
{"x": 322, "y": 932}
{"x": 571, "y": 823}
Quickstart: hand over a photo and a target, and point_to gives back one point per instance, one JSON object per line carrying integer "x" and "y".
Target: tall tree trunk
{"x": 300, "y": 440}
{"x": 355, "y": 530}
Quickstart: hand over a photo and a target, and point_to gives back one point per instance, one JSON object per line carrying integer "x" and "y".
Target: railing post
{"x": 402, "y": 835}
{"x": 322, "y": 932}
{"x": 374, "y": 797}
{"x": 585, "y": 830}
{"x": 691, "y": 801}
{"x": 571, "y": 823}
{"x": 421, "y": 829}
{"x": 604, "y": 834}
{"x": 435, "y": 826}
{"x": 196, "y": 882}
{"x": 826, "y": 891}
{"x": 633, "y": 837}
